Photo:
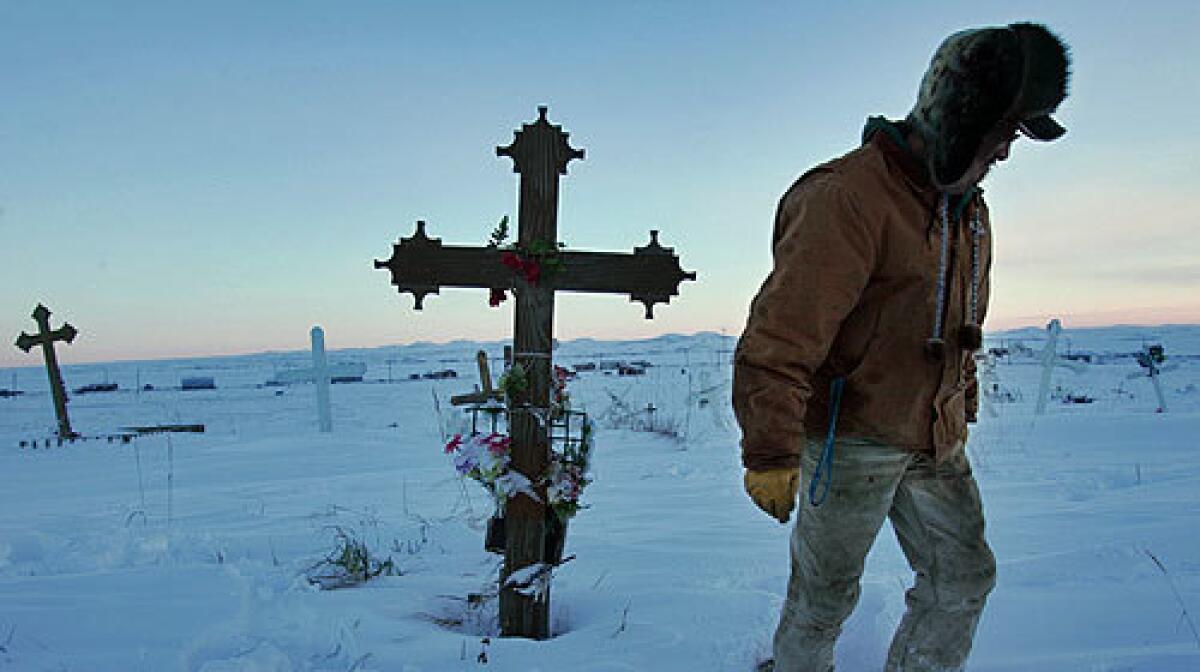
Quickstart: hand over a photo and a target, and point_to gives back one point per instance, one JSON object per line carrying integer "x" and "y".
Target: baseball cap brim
{"x": 1042, "y": 128}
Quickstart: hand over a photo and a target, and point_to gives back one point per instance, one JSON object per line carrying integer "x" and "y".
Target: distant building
{"x": 198, "y": 383}
{"x": 96, "y": 387}
{"x": 440, "y": 375}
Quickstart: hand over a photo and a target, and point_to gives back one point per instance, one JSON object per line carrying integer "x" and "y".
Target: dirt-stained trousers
{"x": 938, "y": 519}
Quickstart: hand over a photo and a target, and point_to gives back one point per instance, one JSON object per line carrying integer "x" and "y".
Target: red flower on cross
{"x": 511, "y": 260}
{"x": 529, "y": 269}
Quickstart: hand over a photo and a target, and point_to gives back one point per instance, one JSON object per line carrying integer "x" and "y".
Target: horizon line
{"x": 448, "y": 341}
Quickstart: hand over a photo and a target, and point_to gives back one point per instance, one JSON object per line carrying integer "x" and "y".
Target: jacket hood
{"x": 981, "y": 78}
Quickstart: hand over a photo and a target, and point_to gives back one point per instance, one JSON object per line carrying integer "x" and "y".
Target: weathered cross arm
{"x": 423, "y": 265}
{"x": 650, "y": 275}
{"x": 65, "y": 333}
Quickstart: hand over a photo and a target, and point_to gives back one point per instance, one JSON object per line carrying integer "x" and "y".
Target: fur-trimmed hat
{"x": 981, "y": 77}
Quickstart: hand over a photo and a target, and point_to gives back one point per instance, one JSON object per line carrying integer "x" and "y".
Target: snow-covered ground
{"x": 189, "y": 552}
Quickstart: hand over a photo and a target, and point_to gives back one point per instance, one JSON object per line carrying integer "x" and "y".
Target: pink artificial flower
{"x": 454, "y": 443}
{"x": 498, "y": 444}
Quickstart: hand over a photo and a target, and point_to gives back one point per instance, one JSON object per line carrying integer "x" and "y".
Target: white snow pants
{"x": 938, "y": 518}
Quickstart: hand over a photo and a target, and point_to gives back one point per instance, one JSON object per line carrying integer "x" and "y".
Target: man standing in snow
{"x": 856, "y": 365}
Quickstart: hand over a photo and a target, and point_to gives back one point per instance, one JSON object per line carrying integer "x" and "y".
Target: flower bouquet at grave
{"x": 568, "y": 474}
{"x": 485, "y": 458}
{"x": 561, "y": 401}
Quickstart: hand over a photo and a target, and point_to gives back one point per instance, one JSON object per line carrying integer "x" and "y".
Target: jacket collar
{"x": 890, "y": 138}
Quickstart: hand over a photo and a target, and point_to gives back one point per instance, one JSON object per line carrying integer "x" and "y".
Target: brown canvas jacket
{"x": 852, "y": 293}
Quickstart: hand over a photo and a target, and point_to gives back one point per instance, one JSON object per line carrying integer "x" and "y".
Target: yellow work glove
{"x": 774, "y": 490}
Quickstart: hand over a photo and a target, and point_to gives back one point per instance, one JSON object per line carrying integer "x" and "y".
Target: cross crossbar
{"x": 422, "y": 265}
{"x": 45, "y": 336}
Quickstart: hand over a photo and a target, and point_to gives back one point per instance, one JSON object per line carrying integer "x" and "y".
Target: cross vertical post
{"x": 540, "y": 153}
{"x": 1158, "y": 391}
{"x": 46, "y": 338}
{"x": 1151, "y": 358}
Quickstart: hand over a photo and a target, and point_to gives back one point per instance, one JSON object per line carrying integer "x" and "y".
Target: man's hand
{"x": 774, "y": 491}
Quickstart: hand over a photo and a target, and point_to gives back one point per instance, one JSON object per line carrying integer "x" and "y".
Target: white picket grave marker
{"x": 989, "y": 385}
{"x": 1162, "y": 400}
{"x": 321, "y": 380}
{"x": 1049, "y": 361}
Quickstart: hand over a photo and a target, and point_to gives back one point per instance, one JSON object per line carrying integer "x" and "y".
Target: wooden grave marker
{"x": 1050, "y": 361}
{"x": 422, "y": 265}
{"x": 485, "y": 399}
{"x": 1151, "y": 358}
{"x": 46, "y": 338}
{"x": 486, "y": 392}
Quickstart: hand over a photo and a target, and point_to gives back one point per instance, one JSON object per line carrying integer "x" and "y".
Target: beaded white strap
{"x": 976, "y": 243}
{"x": 943, "y": 267}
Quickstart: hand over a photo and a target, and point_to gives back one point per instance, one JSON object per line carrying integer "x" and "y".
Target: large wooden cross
{"x": 46, "y": 338}
{"x": 422, "y": 265}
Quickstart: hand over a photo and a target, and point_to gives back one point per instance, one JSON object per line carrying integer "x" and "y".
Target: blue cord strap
{"x": 823, "y": 476}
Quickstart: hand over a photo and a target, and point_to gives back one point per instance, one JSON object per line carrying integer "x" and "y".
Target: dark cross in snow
{"x": 1151, "y": 358}
{"x": 422, "y": 265}
{"x": 46, "y": 338}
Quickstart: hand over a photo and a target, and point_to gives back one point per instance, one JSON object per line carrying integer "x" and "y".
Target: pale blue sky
{"x": 204, "y": 178}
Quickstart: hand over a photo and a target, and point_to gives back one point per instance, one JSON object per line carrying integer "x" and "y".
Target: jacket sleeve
{"x": 823, "y": 255}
